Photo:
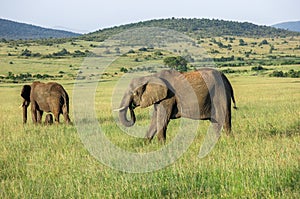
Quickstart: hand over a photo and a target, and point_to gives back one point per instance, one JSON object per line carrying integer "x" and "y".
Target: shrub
{"x": 291, "y": 73}
{"x": 78, "y": 53}
{"x": 258, "y": 68}
{"x": 131, "y": 51}
{"x": 124, "y": 70}
{"x": 228, "y": 70}
{"x": 242, "y": 42}
{"x": 63, "y": 52}
{"x": 26, "y": 53}
{"x": 263, "y": 42}
{"x": 277, "y": 73}
{"x": 158, "y": 53}
{"x": 143, "y": 49}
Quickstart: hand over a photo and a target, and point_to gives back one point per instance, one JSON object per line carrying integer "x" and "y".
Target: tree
{"x": 242, "y": 42}
{"x": 263, "y": 42}
{"x": 178, "y": 63}
{"x": 124, "y": 70}
{"x": 26, "y": 53}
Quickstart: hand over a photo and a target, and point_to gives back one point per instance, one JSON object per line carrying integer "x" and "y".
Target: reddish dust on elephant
{"x": 45, "y": 97}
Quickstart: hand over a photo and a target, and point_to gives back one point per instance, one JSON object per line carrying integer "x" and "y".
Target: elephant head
{"x": 25, "y": 93}
{"x": 142, "y": 92}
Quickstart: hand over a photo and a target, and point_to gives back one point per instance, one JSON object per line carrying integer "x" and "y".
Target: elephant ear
{"x": 26, "y": 92}
{"x": 155, "y": 91}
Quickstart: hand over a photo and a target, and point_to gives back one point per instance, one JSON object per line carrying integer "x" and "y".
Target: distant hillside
{"x": 196, "y": 28}
{"x": 15, "y": 30}
{"x": 292, "y": 26}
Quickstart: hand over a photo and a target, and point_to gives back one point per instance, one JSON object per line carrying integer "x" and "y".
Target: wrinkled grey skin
{"x": 45, "y": 97}
{"x": 204, "y": 94}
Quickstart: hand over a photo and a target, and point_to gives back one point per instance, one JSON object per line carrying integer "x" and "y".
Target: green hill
{"x": 202, "y": 28}
{"x": 292, "y": 26}
{"x": 15, "y": 30}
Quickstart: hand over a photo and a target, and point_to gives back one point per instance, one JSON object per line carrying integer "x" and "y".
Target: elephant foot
{"x": 147, "y": 140}
{"x": 161, "y": 138}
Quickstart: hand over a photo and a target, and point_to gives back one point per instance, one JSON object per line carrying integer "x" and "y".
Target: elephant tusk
{"x": 119, "y": 109}
{"x": 21, "y": 105}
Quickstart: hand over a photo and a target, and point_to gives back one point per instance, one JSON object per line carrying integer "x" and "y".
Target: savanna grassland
{"x": 260, "y": 160}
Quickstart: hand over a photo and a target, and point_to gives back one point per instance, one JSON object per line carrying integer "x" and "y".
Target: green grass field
{"x": 261, "y": 160}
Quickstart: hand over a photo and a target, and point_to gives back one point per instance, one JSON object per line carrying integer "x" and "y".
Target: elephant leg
{"x": 153, "y": 126}
{"x": 164, "y": 111}
{"x": 66, "y": 116}
{"x": 56, "y": 116}
{"x": 220, "y": 112}
{"x": 56, "y": 110}
{"x": 34, "y": 112}
{"x": 216, "y": 127}
{"x": 39, "y": 116}
{"x": 227, "y": 124}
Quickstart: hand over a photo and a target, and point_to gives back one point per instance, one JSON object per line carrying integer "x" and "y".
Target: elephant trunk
{"x": 125, "y": 105}
{"x": 123, "y": 117}
{"x": 25, "y": 106}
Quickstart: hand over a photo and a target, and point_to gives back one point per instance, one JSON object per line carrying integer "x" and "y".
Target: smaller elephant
{"x": 45, "y": 97}
{"x": 48, "y": 119}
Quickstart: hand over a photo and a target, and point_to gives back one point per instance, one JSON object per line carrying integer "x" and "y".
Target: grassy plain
{"x": 260, "y": 161}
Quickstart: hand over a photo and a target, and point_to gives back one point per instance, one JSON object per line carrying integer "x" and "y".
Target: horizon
{"x": 92, "y": 15}
{"x": 62, "y": 28}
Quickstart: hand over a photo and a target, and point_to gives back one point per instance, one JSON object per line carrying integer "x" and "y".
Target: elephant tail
{"x": 66, "y": 102}
{"x": 233, "y": 100}
{"x": 232, "y": 95}
{"x": 225, "y": 79}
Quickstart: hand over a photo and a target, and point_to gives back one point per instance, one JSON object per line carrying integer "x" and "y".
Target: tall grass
{"x": 260, "y": 161}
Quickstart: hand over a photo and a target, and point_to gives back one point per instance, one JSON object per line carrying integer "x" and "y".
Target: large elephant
{"x": 45, "y": 97}
{"x": 204, "y": 94}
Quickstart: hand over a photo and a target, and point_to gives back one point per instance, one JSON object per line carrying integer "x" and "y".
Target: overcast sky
{"x": 90, "y": 15}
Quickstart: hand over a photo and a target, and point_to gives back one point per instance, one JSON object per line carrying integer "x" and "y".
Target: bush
{"x": 291, "y": 73}
{"x": 124, "y": 70}
{"x": 277, "y": 73}
{"x": 228, "y": 70}
{"x": 224, "y": 59}
{"x": 258, "y": 68}
{"x": 26, "y": 53}
{"x": 63, "y": 52}
{"x": 44, "y": 76}
{"x": 22, "y": 76}
{"x": 78, "y": 53}
{"x": 131, "y": 51}
{"x": 294, "y": 74}
{"x": 242, "y": 42}
{"x": 143, "y": 49}
{"x": 263, "y": 42}
{"x": 158, "y": 53}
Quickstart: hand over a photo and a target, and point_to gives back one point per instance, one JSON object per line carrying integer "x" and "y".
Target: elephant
{"x": 45, "y": 97}
{"x": 203, "y": 94}
{"x": 48, "y": 119}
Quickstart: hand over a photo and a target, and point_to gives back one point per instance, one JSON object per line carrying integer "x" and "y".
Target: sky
{"x": 85, "y": 16}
